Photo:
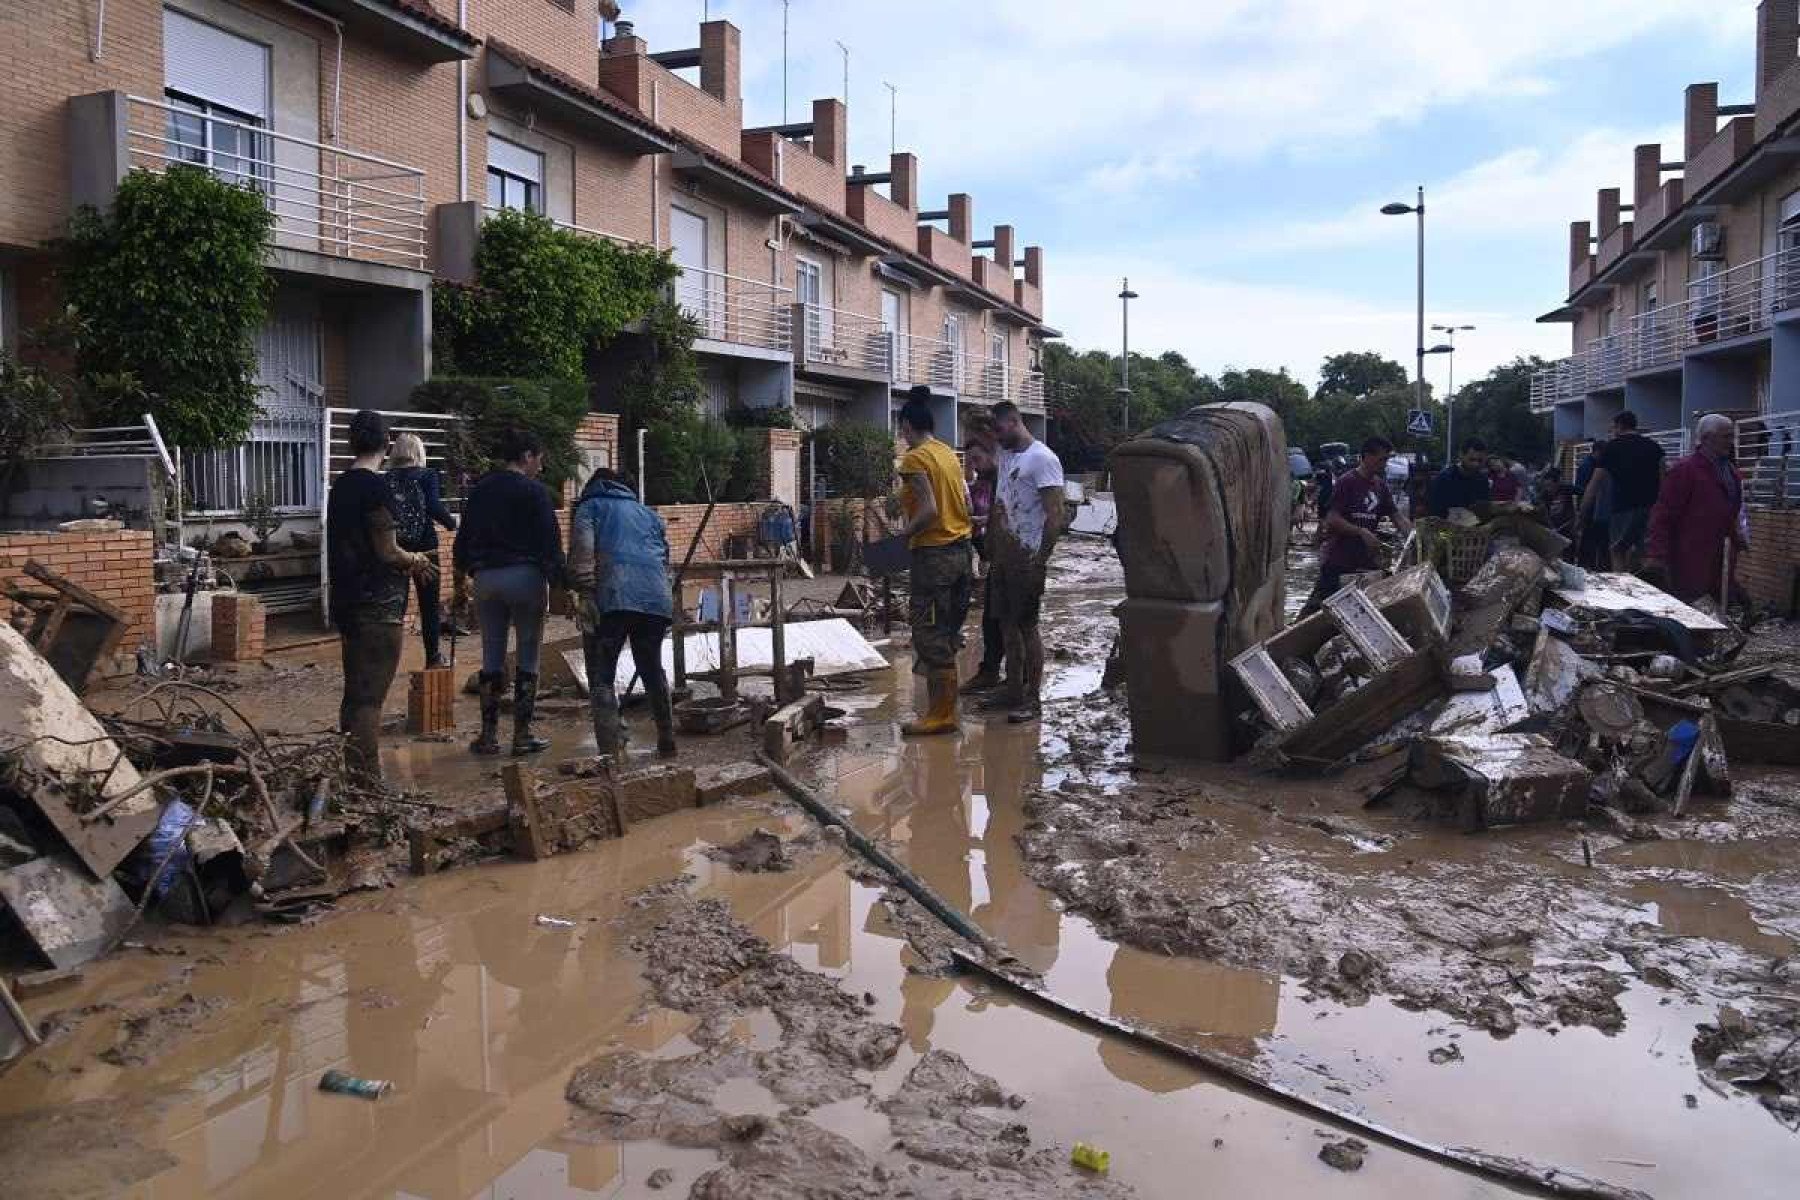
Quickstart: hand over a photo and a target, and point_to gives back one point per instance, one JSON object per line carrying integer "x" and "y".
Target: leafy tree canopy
{"x": 1359, "y": 373}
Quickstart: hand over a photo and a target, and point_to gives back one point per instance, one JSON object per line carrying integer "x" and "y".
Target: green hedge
{"x": 550, "y": 408}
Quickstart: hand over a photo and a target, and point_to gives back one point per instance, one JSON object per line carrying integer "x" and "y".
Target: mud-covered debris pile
{"x": 954, "y": 1130}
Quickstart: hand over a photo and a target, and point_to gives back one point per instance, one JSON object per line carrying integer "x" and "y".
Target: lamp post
{"x": 1126, "y": 296}
{"x": 1450, "y": 332}
{"x": 1398, "y": 209}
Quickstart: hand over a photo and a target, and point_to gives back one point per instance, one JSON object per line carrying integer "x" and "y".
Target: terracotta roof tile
{"x": 426, "y": 13}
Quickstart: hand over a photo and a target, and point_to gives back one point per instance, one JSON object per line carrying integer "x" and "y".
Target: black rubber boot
{"x": 524, "y": 707}
{"x": 662, "y": 710}
{"x": 488, "y": 688}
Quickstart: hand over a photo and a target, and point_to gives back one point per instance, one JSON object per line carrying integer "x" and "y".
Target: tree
{"x": 1497, "y": 409}
{"x": 166, "y": 291}
{"x": 1359, "y": 373}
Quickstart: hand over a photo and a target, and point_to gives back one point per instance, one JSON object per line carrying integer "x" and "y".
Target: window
{"x": 809, "y": 288}
{"x": 1647, "y": 302}
{"x": 515, "y": 176}
{"x": 953, "y": 335}
{"x": 217, "y": 86}
{"x": 997, "y": 352}
{"x": 893, "y": 323}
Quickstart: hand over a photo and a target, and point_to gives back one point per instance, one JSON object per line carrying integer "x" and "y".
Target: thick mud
{"x": 953, "y": 1131}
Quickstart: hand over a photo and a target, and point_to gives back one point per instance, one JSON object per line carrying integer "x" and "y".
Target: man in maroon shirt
{"x": 1358, "y": 502}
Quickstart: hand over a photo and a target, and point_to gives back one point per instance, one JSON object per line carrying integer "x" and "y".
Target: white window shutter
{"x": 207, "y": 63}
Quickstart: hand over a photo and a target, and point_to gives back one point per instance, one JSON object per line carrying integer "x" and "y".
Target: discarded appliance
{"x": 1503, "y": 778}
{"x": 1202, "y": 505}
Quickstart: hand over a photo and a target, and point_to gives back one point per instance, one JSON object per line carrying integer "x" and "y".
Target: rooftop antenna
{"x": 893, "y": 107}
{"x": 846, "y": 51}
{"x": 784, "y": 61}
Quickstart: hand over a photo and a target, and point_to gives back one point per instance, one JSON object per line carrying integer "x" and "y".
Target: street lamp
{"x": 1126, "y": 296}
{"x": 1397, "y": 209}
{"x": 1450, "y": 332}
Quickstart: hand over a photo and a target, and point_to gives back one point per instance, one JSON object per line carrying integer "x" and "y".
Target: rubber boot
{"x": 603, "y": 706}
{"x": 984, "y": 680}
{"x": 524, "y": 708}
{"x": 487, "y": 686}
{"x": 940, "y": 710}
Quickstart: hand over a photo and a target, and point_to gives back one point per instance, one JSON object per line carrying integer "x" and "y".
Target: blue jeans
{"x": 516, "y": 598}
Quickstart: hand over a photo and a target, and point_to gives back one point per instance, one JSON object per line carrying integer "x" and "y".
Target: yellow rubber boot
{"x": 940, "y": 706}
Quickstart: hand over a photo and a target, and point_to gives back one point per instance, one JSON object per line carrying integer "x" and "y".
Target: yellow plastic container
{"x": 1091, "y": 1158}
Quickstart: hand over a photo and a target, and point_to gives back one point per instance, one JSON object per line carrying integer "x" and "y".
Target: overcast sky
{"x": 1230, "y": 155}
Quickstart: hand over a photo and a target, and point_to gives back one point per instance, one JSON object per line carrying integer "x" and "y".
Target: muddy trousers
{"x": 940, "y": 582}
{"x": 371, "y": 655}
{"x": 511, "y": 598}
{"x": 431, "y": 613}
{"x": 993, "y": 637}
{"x": 601, "y": 648}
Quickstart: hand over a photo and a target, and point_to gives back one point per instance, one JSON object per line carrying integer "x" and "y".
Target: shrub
{"x": 166, "y": 290}
{"x": 32, "y": 410}
{"x": 550, "y": 408}
{"x": 545, "y": 298}
{"x": 854, "y": 460}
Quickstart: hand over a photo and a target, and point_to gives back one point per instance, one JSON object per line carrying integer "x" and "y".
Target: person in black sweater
{"x": 1462, "y": 484}
{"x": 419, "y": 509}
{"x": 367, "y": 586}
{"x": 509, "y": 543}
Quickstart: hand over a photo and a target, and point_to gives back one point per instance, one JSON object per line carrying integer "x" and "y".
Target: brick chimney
{"x": 1003, "y": 249}
{"x": 1702, "y": 119}
{"x": 719, "y": 61}
{"x": 1034, "y": 266}
{"x": 903, "y": 188}
{"x": 624, "y": 42}
{"x": 831, "y": 133}
{"x": 1581, "y": 241}
{"x": 1646, "y": 174}
{"x": 1609, "y": 212}
{"x": 1777, "y": 41}
{"x": 962, "y": 217}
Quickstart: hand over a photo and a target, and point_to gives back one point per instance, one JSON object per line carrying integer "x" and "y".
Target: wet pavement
{"x": 449, "y": 988}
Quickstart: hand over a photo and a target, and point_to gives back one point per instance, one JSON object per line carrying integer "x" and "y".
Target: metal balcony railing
{"x": 1028, "y": 387}
{"x": 932, "y": 361}
{"x": 837, "y": 337}
{"x": 1768, "y": 454}
{"x": 1674, "y": 442}
{"x": 728, "y": 308}
{"x": 324, "y": 198}
{"x": 489, "y": 210}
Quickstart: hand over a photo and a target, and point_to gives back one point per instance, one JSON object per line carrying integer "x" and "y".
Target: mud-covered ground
{"x": 1499, "y": 930}
{"x": 954, "y": 1131}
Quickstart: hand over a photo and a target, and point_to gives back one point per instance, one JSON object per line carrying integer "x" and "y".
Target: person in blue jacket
{"x": 618, "y": 564}
{"x": 420, "y": 509}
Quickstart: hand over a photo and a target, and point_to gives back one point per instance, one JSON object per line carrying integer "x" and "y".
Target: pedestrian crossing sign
{"x": 1418, "y": 422}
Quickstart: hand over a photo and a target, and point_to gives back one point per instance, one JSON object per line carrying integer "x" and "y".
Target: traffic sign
{"x": 1418, "y": 422}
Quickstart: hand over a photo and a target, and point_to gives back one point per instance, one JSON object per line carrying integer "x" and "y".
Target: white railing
{"x": 1028, "y": 391}
{"x": 838, "y": 337}
{"x": 324, "y": 198}
{"x": 1674, "y": 442}
{"x": 1550, "y": 385}
{"x": 488, "y": 210}
{"x": 278, "y": 461}
{"x": 1768, "y": 454}
{"x": 932, "y": 361}
{"x": 988, "y": 379}
{"x": 1658, "y": 337}
{"x": 729, "y": 308}
{"x": 143, "y": 440}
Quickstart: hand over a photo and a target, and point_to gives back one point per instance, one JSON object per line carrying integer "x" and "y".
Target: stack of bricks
{"x": 1768, "y": 569}
{"x": 238, "y": 628}
{"x": 431, "y": 701}
{"x": 115, "y": 566}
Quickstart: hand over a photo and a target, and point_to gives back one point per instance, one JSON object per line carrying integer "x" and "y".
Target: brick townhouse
{"x": 1684, "y": 297}
{"x": 384, "y": 131}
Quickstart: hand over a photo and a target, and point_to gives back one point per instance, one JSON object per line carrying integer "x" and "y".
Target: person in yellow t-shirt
{"x": 935, "y": 501}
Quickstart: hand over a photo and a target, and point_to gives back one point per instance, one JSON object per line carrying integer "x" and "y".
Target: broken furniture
{"x": 1502, "y": 778}
{"x": 71, "y": 627}
{"x": 1392, "y": 629}
{"x": 1202, "y": 505}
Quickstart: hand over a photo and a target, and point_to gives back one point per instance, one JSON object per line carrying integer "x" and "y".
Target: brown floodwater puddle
{"x": 448, "y": 987}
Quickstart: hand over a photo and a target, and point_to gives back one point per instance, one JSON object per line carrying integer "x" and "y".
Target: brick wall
{"x": 114, "y": 566}
{"x": 238, "y": 628}
{"x": 1767, "y": 572}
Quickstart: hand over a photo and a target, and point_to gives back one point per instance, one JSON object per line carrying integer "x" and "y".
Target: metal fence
{"x": 324, "y": 197}
{"x": 278, "y": 461}
{"x": 1768, "y": 454}
{"x": 729, "y": 308}
{"x": 838, "y": 337}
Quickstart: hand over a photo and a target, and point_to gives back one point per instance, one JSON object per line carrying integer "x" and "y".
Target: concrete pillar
{"x": 1598, "y": 412}
{"x": 1567, "y": 422}
{"x": 389, "y": 350}
{"x": 1713, "y": 383}
{"x": 1784, "y": 367}
{"x": 458, "y": 230}
{"x": 99, "y": 148}
{"x": 1656, "y": 400}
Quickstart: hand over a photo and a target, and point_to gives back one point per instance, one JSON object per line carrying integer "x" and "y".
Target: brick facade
{"x": 238, "y": 628}
{"x": 1769, "y": 570}
{"x": 114, "y": 566}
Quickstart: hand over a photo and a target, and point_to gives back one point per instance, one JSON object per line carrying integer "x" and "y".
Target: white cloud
{"x": 1219, "y": 322}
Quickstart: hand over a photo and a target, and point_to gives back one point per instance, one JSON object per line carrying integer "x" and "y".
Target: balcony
{"x": 737, "y": 312}
{"x": 1028, "y": 391}
{"x": 1729, "y": 145}
{"x": 1768, "y": 454}
{"x": 1614, "y": 246}
{"x": 931, "y": 361}
{"x": 1550, "y": 386}
{"x": 834, "y": 341}
{"x": 325, "y": 199}
{"x": 1581, "y": 274}
{"x": 1660, "y": 204}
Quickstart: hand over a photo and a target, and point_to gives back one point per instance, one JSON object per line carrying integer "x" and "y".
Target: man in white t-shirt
{"x": 1022, "y": 531}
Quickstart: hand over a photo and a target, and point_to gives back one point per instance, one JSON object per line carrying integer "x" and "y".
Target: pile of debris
{"x": 1533, "y": 691}
{"x": 175, "y": 803}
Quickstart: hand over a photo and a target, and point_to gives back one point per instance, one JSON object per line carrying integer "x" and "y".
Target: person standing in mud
{"x": 368, "y": 581}
{"x": 511, "y": 546}
{"x": 619, "y": 568}
{"x": 979, "y": 457}
{"x": 935, "y": 502}
{"x": 1358, "y": 503}
{"x": 419, "y": 509}
{"x": 1027, "y": 521}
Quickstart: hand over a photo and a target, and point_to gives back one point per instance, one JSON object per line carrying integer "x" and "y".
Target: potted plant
{"x": 263, "y": 520}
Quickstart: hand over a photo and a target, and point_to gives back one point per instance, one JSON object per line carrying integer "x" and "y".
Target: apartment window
{"x": 217, "y": 86}
{"x": 809, "y": 289}
{"x": 893, "y": 323}
{"x": 1647, "y": 301}
{"x": 953, "y": 336}
{"x": 997, "y": 352}
{"x": 515, "y": 176}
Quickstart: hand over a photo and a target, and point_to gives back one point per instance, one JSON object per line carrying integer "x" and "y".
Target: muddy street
{"x": 737, "y": 1004}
